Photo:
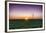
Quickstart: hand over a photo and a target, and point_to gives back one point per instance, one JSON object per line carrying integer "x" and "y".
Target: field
{"x": 22, "y": 23}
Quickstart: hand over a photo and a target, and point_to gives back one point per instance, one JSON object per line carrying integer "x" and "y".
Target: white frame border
{"x": 8, "y": 30}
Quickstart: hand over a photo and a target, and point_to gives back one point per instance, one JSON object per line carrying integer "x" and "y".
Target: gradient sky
{"x": 21, "y": 11}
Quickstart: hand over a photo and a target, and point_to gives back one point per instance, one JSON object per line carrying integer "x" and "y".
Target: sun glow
{"x": 26, "y": 18}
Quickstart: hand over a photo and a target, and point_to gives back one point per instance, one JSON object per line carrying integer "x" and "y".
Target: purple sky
{"x": 25, "y": 10}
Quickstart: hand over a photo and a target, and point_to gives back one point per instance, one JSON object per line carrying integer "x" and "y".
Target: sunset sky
{"x": 22, "y": 11}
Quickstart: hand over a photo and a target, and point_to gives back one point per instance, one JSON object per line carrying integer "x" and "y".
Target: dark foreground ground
{"x": 22, "y": 24}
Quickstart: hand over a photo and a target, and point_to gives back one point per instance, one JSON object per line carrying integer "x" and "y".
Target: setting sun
{"x": 26, "y": 18}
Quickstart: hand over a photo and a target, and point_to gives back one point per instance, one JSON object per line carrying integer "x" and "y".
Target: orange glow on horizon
{"x": 25, "y": 17}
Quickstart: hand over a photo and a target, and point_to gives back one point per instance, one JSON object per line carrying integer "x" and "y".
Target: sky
{"x": 22, "y": 11}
